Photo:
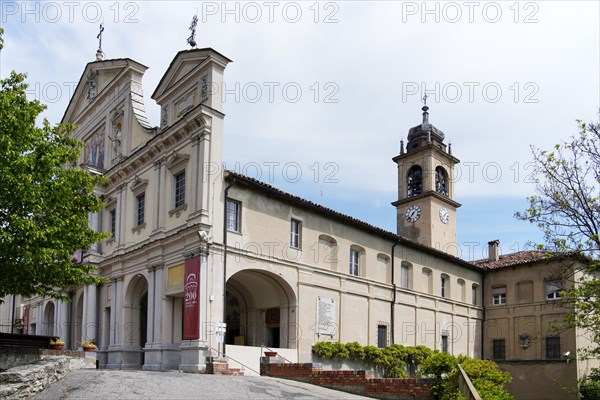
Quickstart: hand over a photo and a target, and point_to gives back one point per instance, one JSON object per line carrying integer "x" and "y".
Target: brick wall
{"x": 357, "y": 382}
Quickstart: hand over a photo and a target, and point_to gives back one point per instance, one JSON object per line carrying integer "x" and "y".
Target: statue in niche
{"x": 116, "y": 117}
{"x": 92, "y": 85}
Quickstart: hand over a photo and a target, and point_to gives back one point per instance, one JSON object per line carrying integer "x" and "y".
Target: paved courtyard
{"x": 114, "y": 384}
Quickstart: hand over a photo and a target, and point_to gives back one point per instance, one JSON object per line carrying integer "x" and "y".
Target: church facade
{"x": 194, "y": 246}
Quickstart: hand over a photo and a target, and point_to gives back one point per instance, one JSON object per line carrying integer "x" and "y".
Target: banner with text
{"x": 191, "y": 293}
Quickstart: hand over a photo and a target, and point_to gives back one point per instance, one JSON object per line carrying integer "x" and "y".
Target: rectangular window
{"x": 404, "y": 276}
{"x": 382, "y": 336}
{"x": 295, "y": 233}
{"x": 553, "y": 289}
{"x": 234, "y": 213}
{"x": 443, "y": 284}
{"x": 499, "y": 349}
{"x": 499, "y": 295}
{"x": 113, "y": 222}
{"x": 180, "y": 189}
{"x": 445, "y": 342}
{"x": 474, "y": 295}
{"x": 354, "y": 262}
{"x": 553, "y": 348}
{"x": 141, "y": 200}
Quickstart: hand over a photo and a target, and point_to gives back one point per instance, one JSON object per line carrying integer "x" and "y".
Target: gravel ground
{"x": 115, "y": 384}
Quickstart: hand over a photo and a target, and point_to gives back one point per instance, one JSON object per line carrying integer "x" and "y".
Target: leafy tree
{"x": 44, "y": 200}
{"x": 566, "y": 207}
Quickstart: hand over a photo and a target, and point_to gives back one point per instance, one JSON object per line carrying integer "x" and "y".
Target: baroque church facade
{"x": 203, "y": 261}
{"x": 193, "y": 245}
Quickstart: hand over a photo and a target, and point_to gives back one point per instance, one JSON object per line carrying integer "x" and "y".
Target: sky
{"x": 320, "y": 94}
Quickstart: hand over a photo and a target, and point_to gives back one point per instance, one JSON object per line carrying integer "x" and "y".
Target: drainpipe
{"x": 483, "y": 316}
{"x": 225, "y": 255}
{"x": 392, "y": 305}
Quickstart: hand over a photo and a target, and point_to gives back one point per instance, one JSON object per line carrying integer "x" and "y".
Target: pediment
{"x": 184, "y": 64}
{"x": 97, "y": 79}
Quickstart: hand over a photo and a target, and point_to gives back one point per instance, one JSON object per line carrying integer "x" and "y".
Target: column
{"x": 204, "y": 183}
{"x": 160, "y": 195}
{"x": 121, "y": 213}
{"x": 39, "y": 318}
{"x": 195, "y": 175}
{"x": 91, "y": 320}
{"x": 158, "y": 300}
{"x": 116, "y": 312}
{"x": 151, "y": 307}
{"x": 63, "y": 321}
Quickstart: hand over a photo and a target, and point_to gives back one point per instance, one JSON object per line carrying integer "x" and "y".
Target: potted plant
{"x": 270, "y": 354}
{"x": 56, "y": 343}
{"x": 88, "y": 345}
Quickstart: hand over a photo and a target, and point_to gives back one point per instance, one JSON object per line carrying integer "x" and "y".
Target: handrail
{"x": 466, "y": 386}
{"x": 270, "y": 349}
{"x": 239, "y": 362}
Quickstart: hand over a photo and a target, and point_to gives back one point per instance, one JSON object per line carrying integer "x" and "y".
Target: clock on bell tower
{"x": 426, "y": 209}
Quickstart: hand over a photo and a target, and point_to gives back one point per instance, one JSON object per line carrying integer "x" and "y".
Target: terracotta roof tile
{"x": 231, "y": 175}
{"x": 522, "y": 257}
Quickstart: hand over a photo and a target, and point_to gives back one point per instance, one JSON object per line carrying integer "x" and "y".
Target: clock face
{"x": 413, "y": 213}
{"x": 444, "y": 215}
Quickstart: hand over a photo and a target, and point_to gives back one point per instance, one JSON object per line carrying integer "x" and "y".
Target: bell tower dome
{"x": 426, "y": 209}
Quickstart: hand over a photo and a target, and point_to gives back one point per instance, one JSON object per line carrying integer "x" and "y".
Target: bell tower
{"x": 426, "y": 209}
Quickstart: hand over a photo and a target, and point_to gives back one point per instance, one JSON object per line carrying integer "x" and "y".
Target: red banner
{"x": 191, "y": 293}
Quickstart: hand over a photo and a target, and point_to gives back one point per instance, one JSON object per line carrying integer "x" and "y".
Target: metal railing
{"x": 466, "y": 386}
{"x": 244, "y": 366}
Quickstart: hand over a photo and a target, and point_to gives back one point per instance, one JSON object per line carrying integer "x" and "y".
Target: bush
{"x": 589, "y": 387}
{"x": 487, "y": 378}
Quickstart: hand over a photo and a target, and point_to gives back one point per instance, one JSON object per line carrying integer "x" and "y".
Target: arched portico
{"x": 48, "y": 321}
{"x": 135, "y": 317}
{"x": 261, "y": 309}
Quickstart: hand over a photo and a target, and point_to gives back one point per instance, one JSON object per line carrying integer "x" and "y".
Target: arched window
{"x": 415, "y": 181}
{"x": 441, "y": 181}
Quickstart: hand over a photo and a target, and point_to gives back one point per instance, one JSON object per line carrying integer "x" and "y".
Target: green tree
{"x": 566, "y": 207}
{"x": 44, "y": 200}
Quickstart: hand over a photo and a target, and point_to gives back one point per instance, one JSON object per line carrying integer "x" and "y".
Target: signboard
{"x": 191, "y": 298}
{"x": 221, "y": 330}
{"x": 326, "y": 322}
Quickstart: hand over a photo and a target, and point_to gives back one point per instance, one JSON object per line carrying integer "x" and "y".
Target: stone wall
{"x": 357, "y": 382}
{"x": 14, "y": 356}
{"x": 28, "y": 371}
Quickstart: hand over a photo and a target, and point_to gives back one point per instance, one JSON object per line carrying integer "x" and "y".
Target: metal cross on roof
{"x": 425, "y": 99}
{"x": 99, "y": 37}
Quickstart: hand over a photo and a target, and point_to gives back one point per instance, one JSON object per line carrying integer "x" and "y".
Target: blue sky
{"x": 332, "y": 87}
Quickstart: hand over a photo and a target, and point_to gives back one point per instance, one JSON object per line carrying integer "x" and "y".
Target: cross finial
{"x": 192, "y": 39}
{"x": 99, "y": 37}
{"x": 99, "y": 53}
{"x": 425, "y": 99}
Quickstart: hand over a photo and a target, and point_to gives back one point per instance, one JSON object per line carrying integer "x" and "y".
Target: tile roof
{"x": 235, "y": 176}
{"x": 522, "y": 257}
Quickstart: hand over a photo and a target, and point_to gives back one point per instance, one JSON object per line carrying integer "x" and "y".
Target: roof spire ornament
{"x": 425, "y": 109}
{"x": 100, "y": 53}
{"x": 192, "y": 39}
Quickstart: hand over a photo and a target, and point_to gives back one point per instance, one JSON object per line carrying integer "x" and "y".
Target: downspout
{"x": 392, "y": 305}
{"x": 225, "y": 255}
{"x": 483, "y": 316}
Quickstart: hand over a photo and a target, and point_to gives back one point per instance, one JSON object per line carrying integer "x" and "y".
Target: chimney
{"x": 493, "y": 250}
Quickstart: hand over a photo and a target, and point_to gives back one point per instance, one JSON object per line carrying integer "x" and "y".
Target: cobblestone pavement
{"x": 114, "y": 384}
